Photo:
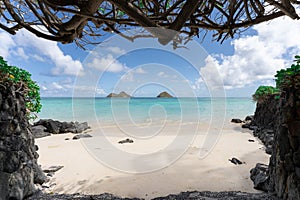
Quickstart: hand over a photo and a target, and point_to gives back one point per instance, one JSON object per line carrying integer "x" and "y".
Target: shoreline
{"x": 83, "y": 174}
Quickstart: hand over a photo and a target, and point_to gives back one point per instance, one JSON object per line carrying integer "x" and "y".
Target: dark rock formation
{"x": 278, "y": 124}
{"x": 18, "y": 158}
{"x": 236, "y": 121}
{"x": 39, "y": 131}
{"x": 164, "y": 95}
{"x": 259, "y": 176}
{"x": 121, "y": 94}
{"x": 194, "y": 195}
{"x": 57, "y": 127}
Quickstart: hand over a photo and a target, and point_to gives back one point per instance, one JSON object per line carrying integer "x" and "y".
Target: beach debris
{"x": 236, "y": 161}
{"x": 82, "y": 135}
{"x": 259, "y": 176}
{"x": 250, "y": 140}
{"x": 126, "y": 141}
{"x": 235, "y": 120}
{"x": 52, "y": 169}
{"x": 57, "y": 127}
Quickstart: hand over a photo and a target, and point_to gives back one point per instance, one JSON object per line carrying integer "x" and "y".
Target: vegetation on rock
{"x": 21, "y": 79}
{"x": 285, "y": 78}
{"x": 263, "y": 92}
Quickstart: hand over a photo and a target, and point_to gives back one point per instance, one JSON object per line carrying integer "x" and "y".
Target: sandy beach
{"x": 83, "y": 173}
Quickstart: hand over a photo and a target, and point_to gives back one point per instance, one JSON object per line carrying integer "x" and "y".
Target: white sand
{"x": 83, "y": 173}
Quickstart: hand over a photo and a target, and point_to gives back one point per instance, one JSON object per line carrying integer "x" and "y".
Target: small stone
{"x": 52, "y": 169}
{"x": 236, "y": 121}
{"x": 126, "y": 141}
{"x": 236, "y": 161}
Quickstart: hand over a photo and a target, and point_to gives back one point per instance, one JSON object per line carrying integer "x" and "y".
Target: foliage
{"x": 22, "y": 79}
{"x": 263, "y": 92}
{"x": 284, "y": 78}
{"x": 291, "y": 76}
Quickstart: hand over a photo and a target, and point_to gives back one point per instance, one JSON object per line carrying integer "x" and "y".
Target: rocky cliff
{"x": 18, "y": 158}
{"x": 283, "y": 117}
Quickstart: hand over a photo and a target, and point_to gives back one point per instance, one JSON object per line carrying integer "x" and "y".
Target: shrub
{"x": 291, "y": 76}
{"x": 25, "y": 85}
{"x": 263, "y": 92}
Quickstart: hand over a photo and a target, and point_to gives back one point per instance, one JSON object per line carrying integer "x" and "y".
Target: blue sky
{"x": 145, "y": 68}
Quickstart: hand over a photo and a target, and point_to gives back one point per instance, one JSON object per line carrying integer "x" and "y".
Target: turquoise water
{"x": 145, "y": 110}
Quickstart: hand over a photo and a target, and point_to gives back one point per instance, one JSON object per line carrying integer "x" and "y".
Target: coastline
{"x": 83, "y": 174}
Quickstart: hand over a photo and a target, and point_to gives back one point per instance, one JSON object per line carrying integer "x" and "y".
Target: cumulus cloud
{"x": 116, "y": 50}
{"x": 7, "y": 43}
{"x": 256, "y": 57}
{"x": 107, "y": 63}
{"x": 63, "y": 64}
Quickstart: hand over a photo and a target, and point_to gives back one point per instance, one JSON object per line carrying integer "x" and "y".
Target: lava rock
{"x": 259, "y": 176}
{"x": 236, "y": 161}
{"x": 39, "y": 131}
{"x": 83, "y": 135}
{"x": 236, "y": 121}
{"x": 57, "y": 127}
{"x": 126, "y": 141}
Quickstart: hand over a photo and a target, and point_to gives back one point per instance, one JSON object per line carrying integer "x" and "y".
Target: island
{"x": 120, "y": 95}
{"x": 164, "y": 95}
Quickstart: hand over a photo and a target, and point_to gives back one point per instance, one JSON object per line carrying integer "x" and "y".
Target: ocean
{"x": 111, "y": 111}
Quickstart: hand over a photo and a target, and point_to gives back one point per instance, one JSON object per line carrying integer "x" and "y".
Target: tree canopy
{"x": 85, "y": 21}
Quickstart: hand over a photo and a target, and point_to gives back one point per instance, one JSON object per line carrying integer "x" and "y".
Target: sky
{"x": 145, "y": 68}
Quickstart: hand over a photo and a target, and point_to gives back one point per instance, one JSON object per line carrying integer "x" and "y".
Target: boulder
{"x": 39, "y": 131}
{"x": 249, "y": 118}
{"x": 57, "y": 127}
{"x": 259, "y": 176}
{"x": 164, "y": 95}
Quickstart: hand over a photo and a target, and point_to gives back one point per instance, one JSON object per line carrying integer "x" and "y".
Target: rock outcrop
{"x": 120, "y": 95}
{"x": 19, "y": 170}
{"x": 57, "y": 127}
{"x": 164, "y": 95}
{"x": 278, "y": 124}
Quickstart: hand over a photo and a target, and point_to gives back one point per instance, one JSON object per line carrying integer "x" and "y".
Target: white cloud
{"x": 256, "y": 57}
{"x": 107, "y": 63}
{"x": 116, "y": 50}
{"x": 64, "y": 64}
{"x": 163, "y": 75}
{"x": 57, "y": 86}
{"x": 101, "y": 91}
{"x": 20, "y": 52}
{"x": 6, "y": 44}
{"x": 140, "y": 71}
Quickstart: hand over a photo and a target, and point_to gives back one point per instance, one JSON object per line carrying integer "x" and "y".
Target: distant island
{"x": 164, "y": 95}
{"x": 120, "y": 95}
